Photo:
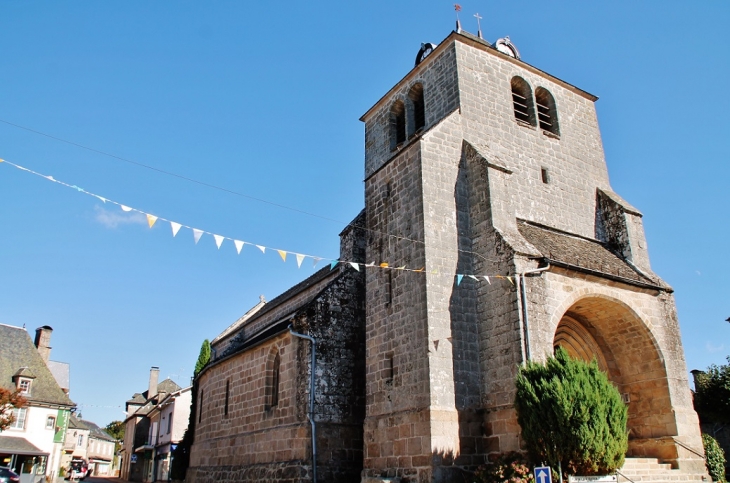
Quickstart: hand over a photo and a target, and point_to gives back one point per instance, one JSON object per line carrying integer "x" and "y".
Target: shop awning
{"x": 17, "y": 445}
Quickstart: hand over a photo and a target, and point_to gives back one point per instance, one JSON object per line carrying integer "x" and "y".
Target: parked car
{"x": 8, "y": 476}
{"x": 78, "y": 471}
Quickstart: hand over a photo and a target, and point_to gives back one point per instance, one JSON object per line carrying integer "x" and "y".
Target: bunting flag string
{"x": 239, "y": 244}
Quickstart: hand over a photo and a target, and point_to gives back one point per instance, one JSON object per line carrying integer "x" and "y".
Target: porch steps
{"x": 650, "y": 470}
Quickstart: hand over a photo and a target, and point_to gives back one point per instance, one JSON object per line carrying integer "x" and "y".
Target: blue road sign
{"x": 543, "y": 474}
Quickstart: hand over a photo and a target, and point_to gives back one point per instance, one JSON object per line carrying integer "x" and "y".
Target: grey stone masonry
{"x": 442, "y": 352}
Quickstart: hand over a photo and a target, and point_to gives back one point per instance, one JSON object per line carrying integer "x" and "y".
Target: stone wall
{"x": 259, "y": 438}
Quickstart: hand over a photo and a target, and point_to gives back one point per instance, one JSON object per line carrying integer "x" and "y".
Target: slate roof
{"x": 96, "y": 431}
{"x": 76, "y": 423}
{"x": 163, "y": 389}
{"x": 18, "y": 351}
{"x": 18, "y": 445}
{"x": 570, "y": 250}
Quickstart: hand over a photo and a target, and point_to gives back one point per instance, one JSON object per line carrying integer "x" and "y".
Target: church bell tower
{"x": 491, "y": 215}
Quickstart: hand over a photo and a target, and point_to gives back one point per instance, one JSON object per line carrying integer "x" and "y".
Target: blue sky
{"x": 263, "y": 99}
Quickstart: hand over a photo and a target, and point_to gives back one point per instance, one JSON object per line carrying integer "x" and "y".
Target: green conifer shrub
{"x": 570, "y": 413}
{"x": 714, "y": 458}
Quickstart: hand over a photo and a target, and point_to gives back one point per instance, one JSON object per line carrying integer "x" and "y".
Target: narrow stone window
{"x": 415, "y": 95}
{"x": 273, "y": 376}
{"x": 388, "y": 287}
{"x": 228, "y": 394}
{"x": 389, "y": 368}
{"x": 522, "y": 101}
{"x": 544, "y": 175}
{"x": 200, "y": 412}
{"x": 546, "y": 112}
{"x": 397, "y": 124}
{"x": 275, "y": 381}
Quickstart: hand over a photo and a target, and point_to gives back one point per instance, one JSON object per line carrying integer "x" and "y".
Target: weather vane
{"x": 457, "y": 9}
{"x": 479, "y": 25}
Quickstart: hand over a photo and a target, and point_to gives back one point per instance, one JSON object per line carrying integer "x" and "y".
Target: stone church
{"x": 486, "y": 177}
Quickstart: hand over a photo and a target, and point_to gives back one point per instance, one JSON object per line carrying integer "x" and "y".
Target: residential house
{"x": 138, "y": 450}
{"x": 100, "y": 450}
{"x": 32, "y": 446}
{"x": 76, "y": 442}
{"x": 169, "y": 420}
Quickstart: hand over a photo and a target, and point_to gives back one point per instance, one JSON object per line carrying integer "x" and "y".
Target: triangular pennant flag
{"x": 101, "y": 198}
{"x": 333, "y": 264}
{"x": 510, "y": 280}
{"x": 486, "y": 277}
{"x": 175, "y": 227}
{"x": 458, "y": 279}
{"x": 474, "y": 277}
{"x": 239, "y": 245}
{"x": 263, "y": 249}
{"x": 2, "y": 160}
{"x": 50, "y": 178}
{"x": 125, "y": 208}
{"x": 356, "y": 266}
{"x": 151, "y": 219}
{"x": 436, "y": 344}
{"x": 282, "y": 254}
{"x": 315, "y": 261}
{"x": 300, "y": 258}
{"x": 384, "y": 265}
{"x": 371, "y": 264}
{"x": 197, "y": 234}
{"x": 218, "y": 241}
{"x": 420, "y": 269}
{"x": 401, "y": 268}
{"x": 76, "y": 188}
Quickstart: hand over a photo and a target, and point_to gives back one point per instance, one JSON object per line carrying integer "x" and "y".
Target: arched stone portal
{"x": 607, "y": 329}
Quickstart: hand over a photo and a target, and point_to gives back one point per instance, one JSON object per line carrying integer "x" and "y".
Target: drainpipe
{"x": 523, "y": 296}
{"x": 311, "y": 400}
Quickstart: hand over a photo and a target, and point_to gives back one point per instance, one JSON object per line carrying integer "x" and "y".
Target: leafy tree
{"x": 181, "y": 453}
{"x": 9, "y": 400}
{"x": 571, "y": 414}
{"x": 115, "y": 429}
{"x": 714, "y": 458}
{"x": 203, "y": 358}
{"x": 712, "y": 394}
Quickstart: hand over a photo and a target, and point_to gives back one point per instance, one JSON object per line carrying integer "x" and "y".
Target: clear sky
{"x": 263, "y": 99}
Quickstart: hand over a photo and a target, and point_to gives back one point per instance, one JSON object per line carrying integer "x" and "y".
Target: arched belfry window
{"x": 522, "y": 101}
{"x": 415, "y": 95}
{"x": 547, "y": 114}
{"x": 273, "y": 375}
{"x": 397, "y": 124}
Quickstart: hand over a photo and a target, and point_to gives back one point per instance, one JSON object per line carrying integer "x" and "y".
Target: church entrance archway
{"x": 611, "y": 332}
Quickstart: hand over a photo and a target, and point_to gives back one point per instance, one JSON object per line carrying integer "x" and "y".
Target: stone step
{"x": 649, "y": 470}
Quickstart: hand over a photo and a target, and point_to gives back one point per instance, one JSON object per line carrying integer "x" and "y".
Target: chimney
{"x": 154, "y": 376}
{"x": 43, "y": 341}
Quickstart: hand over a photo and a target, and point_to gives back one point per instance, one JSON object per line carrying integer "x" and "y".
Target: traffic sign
{"x": 543, "y": 474}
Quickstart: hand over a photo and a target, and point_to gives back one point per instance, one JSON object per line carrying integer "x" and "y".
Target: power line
{"x": 226, "y": 190}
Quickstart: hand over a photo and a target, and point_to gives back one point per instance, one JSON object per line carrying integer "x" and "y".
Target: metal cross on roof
{"x": 479, "y": 25}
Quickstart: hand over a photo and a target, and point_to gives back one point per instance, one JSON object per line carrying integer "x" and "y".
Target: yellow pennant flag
{"x": 282, "y": 254}
{"x": 151, "y": 219}
{"x": 384, "y": 265}
{"x": 1, "y": 160}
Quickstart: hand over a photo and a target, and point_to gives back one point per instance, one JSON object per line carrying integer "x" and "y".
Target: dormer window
{"x": 24, "y": 385}
{"x": 397, "y": 124}
{"x": 522, "y": 101}
{"x": 546, "y": 112}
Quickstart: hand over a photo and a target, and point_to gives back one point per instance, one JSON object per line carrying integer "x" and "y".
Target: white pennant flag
{"x": 218, "y": 240}
{"x": 474, "y": 277}
{"x": 239, "y": 245}
{"x": 197, "y": 234}
{"x": 125, "y": 208}
{"x": 300, "y": 258}
{"x": 487, "y": 279}
{"x": 263, "y": 249}
{"x": 356, "y": 266}
{"x": 175, "y": 227}
{"x": 315, "y": 261}
{"x": 101, "y": 198}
